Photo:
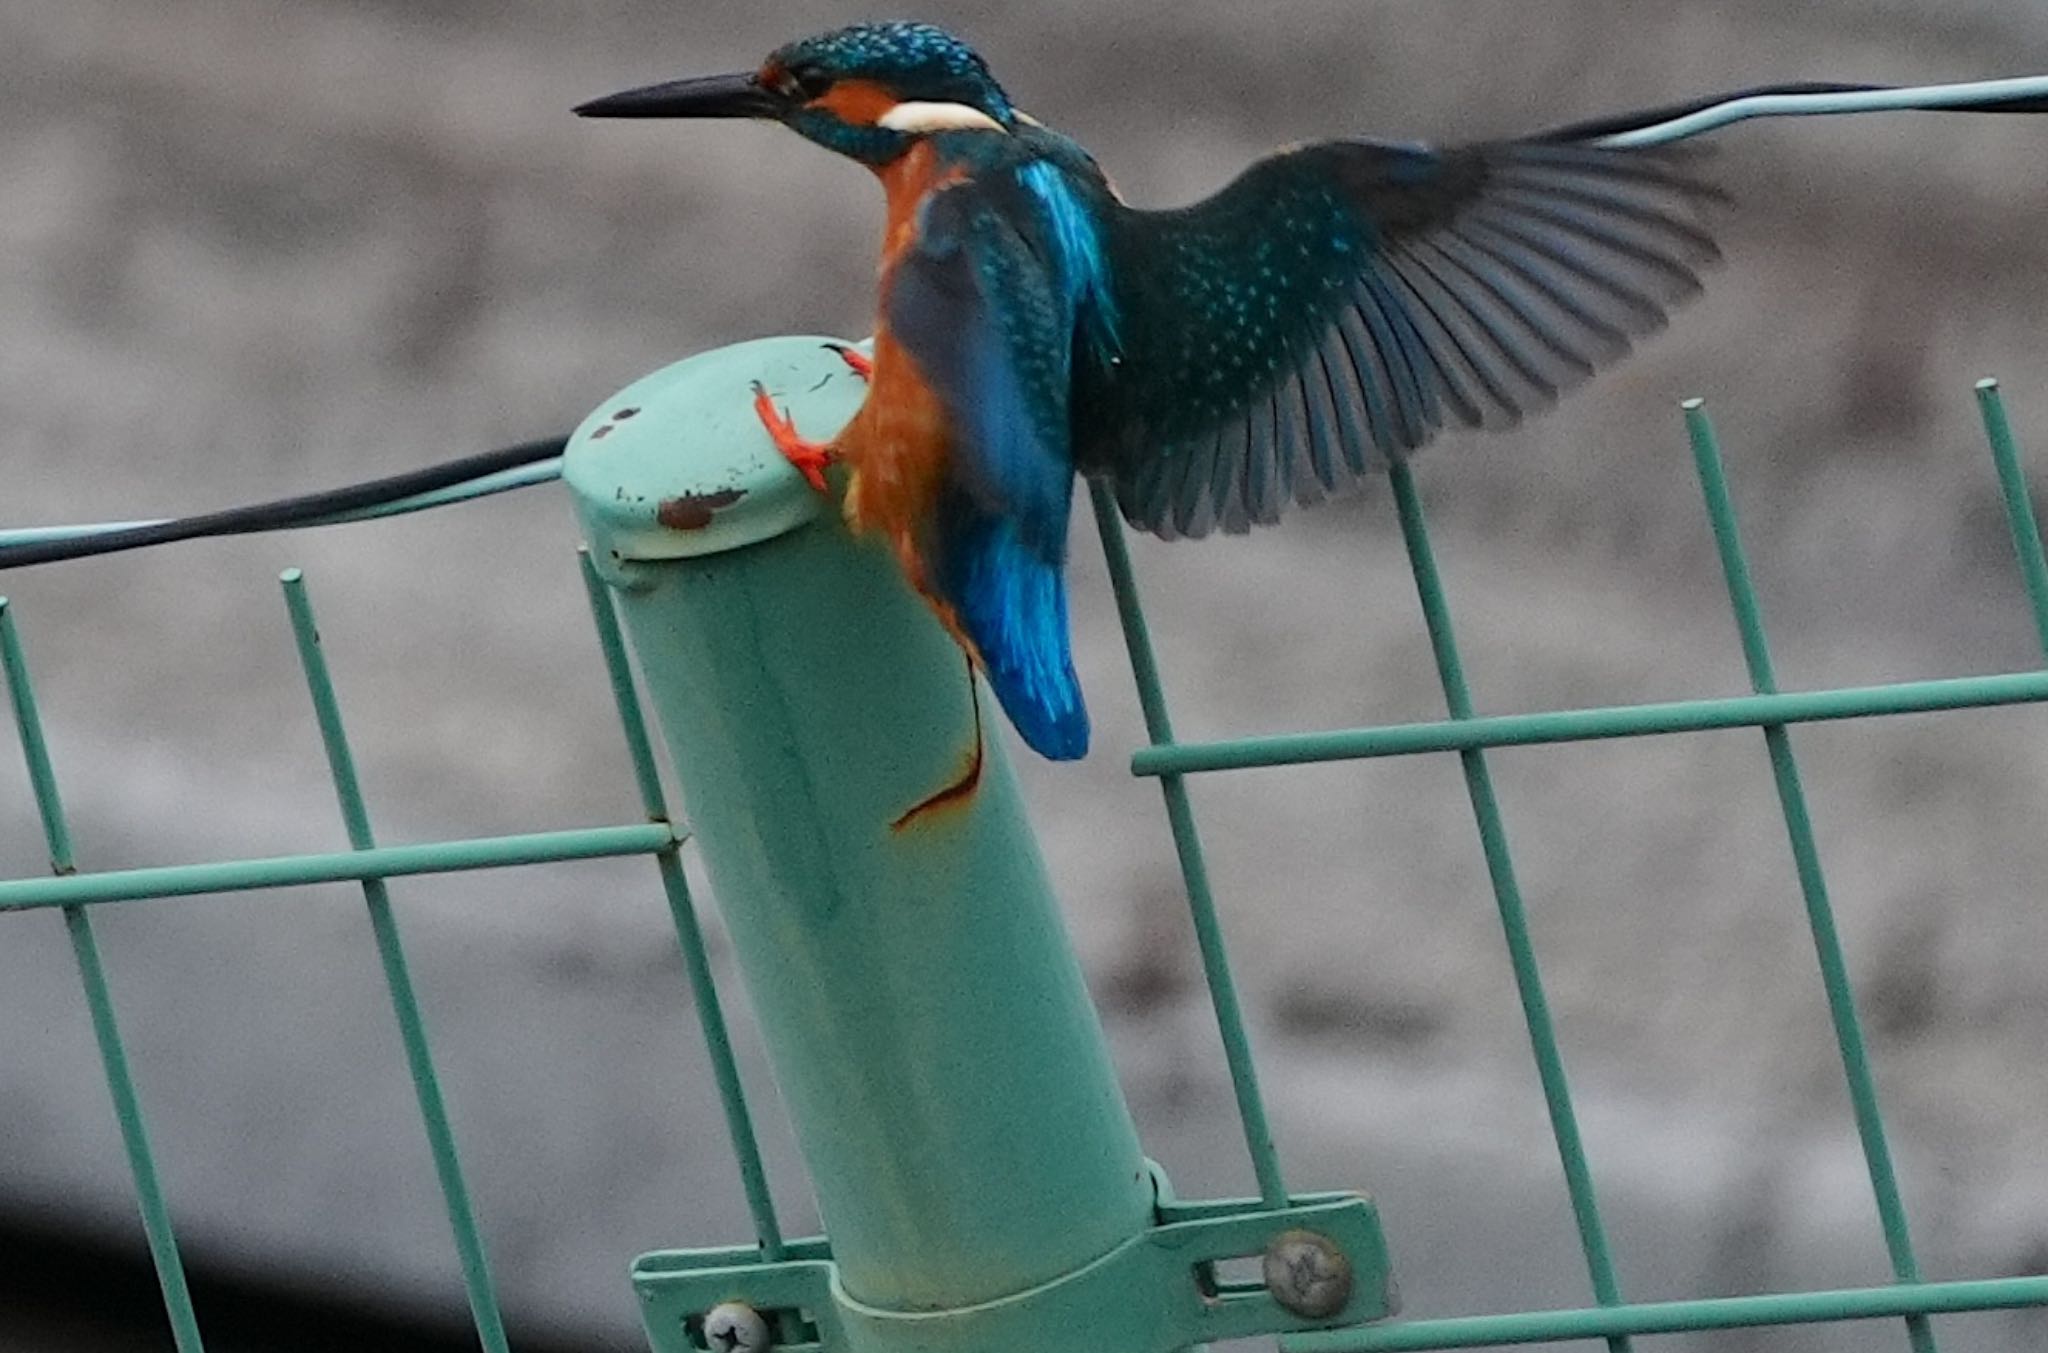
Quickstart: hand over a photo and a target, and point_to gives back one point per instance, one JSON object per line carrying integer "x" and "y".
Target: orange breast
{"x": 898, "y": 444}
{"x": 908, "y": 180}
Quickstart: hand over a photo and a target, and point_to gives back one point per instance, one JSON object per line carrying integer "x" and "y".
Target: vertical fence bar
{"x": 1237, "y": 1052}
{"x": 476, "y": 1272}
{"x": 1827, "y": 944}
{"x": 2019, "y": 507}
{"x": 1507, "y": 892}
{"x": 99, "y": 999}
{"x": 682, "y": 909}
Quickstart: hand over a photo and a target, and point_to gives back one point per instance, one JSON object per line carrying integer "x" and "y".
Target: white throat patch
{"x": 937, "y": 117}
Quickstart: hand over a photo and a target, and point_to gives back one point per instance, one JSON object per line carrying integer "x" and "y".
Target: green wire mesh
{"x": 1469, "y": 736}
{"x": 371, "y": 866}
{"x": 1465, "y": 733}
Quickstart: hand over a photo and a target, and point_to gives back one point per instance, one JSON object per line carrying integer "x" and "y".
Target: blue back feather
{"x": 988, "y": 305}
{"x": 1082, "y": 266}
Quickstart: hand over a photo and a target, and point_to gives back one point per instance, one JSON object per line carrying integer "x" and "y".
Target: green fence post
{"x": 974, "y": 1161}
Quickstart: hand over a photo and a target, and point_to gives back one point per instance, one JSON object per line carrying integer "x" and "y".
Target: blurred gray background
{"x": 253, "y": 247}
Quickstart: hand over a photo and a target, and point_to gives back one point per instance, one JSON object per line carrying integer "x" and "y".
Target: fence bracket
{"x": 1160, "y": 1290}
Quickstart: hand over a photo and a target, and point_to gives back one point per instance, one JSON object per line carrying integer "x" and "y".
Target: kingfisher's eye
{"x": 804, "y": 83}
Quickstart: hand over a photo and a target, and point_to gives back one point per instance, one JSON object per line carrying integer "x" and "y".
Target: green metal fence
{"x": 1909, "y": 1300}
{"x": 1470, "y": 736}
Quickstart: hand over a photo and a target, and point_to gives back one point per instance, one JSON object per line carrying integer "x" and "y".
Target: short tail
{"x": 1012, "y": 602}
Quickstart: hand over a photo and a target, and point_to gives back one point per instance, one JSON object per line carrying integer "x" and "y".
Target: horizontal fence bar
{"x": 1587, "y": 725}
{"x": 285, "y": 871}
{"x": 1679, "y": 1317}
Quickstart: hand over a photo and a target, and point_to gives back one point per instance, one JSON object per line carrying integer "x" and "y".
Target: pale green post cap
{"x": 678, "y": 464}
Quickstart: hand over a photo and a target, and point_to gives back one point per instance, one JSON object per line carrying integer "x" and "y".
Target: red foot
{"x": 810, "y": 458}
{"x": 862, "y": 364}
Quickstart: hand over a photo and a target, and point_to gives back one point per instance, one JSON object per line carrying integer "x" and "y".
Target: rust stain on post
{"x": 960, "y": 789}
{"x": 694, "y": 511}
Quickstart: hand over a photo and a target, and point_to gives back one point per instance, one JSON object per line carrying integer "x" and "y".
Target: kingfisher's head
{"x": 869, "y": 91}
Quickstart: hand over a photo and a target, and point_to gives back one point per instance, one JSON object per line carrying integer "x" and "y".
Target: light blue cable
{"x": 519, "y": 477}
{"x": 1815, "y": 105}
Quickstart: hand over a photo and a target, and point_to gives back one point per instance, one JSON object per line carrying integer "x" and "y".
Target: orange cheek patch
{"x": 859, "y": 102}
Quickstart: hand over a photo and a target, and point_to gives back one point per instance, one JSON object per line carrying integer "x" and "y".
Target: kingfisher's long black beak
{"x": 705, "y": 96}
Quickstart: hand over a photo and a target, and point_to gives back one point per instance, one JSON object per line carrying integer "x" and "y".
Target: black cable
{"x": 285, "y": 512}
{"x": 1613, "y": 124}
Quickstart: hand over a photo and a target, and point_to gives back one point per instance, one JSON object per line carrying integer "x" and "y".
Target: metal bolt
{"x": 735, "y": 1327}
{"x": 1307, "y": 1273}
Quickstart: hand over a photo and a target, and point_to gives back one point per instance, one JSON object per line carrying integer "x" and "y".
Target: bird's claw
{"x": 810, "y": 458}
{"x": 862, "y": 364}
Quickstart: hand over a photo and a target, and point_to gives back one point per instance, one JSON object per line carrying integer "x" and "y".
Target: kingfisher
{"x": 1324, "y": 314}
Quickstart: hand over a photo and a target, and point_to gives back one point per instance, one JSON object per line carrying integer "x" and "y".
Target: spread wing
{"x": 981, "y": 305}
{"x": 1333, "y": 307}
